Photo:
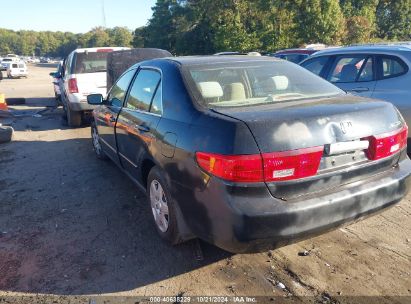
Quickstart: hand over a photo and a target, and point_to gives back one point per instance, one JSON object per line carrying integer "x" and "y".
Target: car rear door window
{"x": 352, "y": 69}
{"x": 156, "y": 105}
{"x": 143, "y": 90}
{"x": 315, "y": 65}
{"x": 392, "y": 67}
{"x": 119, "y": 90}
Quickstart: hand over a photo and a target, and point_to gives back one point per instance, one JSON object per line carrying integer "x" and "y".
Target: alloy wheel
{"x": 96, "y": 141}
{"x": 159, "y": 206}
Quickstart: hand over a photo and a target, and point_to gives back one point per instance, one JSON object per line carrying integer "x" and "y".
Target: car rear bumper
{"x": 78, "y": 102}
{"x": 252, "y": 220}
{"x": 81, "y": 106}
{"x": 20, "y": 74}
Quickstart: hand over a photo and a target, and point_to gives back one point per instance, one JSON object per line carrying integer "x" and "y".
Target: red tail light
{"x": 288, "y": 165}
{"x": 387, "y": 144}
{"x": 72, "y": 85}
{"x": 236, "y": 168}
{"x": 268, "y": 167}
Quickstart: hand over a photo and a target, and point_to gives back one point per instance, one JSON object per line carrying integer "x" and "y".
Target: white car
{"x": 17, "y": 70}
{"x": 5, "y": 62}
{"x": 84, "y": 72}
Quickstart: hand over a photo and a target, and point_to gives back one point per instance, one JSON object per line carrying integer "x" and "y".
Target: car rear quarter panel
{"x": 194, "y": 129}
{"x": 397, "y": 89}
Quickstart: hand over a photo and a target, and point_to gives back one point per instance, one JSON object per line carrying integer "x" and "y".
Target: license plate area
{"x": 343, "y": 154}
{"x": 346, "y": 147}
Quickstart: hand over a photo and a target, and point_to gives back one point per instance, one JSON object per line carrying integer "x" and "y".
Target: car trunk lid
{"x": 340, "y": 127}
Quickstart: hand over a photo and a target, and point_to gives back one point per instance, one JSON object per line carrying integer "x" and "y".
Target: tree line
{"x": 204, "y": 26}
{"x": 60, "y": 44}
{"x": 207, "y": 26}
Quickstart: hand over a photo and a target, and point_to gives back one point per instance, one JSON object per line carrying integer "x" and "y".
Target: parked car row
{"x": 83, "y": 72}
{"x": 245, "y": 152}
{"x": 14, "y": 66}
{"x": 380, "y": 71}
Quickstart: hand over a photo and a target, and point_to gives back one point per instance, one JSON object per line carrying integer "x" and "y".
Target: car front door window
{"x": 119, "y": 90}
{"x": 352, "y": 69}
{"x": 143, "y": 90}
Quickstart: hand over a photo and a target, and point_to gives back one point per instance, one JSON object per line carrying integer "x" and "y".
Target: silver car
{"x": 377, "y": 71}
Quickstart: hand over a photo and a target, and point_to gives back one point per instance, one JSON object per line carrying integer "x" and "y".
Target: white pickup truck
{"x": 84, "y": 72}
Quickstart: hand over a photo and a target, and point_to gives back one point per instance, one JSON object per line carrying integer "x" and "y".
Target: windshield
{"x": 90, "y": 62}
{"x": 242, "y": 84}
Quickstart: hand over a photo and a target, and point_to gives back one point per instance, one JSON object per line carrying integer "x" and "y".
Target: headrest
{"x": 280, "y": 82}
{"x": 348, "y": 72}
{"x": 210, "y": 89}
{"x": 235, "y": 91}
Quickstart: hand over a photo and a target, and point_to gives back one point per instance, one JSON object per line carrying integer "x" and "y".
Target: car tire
{"x": 73, "y": 118}
{"x": 64, "y": 110}
{"x": 57, "y": 97}
{"x": 163, "y": 209}
{"x": 95, "y": 139}
{"x": 6, "y": 133}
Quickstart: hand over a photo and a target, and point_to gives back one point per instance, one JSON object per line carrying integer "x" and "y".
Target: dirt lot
{"x": 71, "y": 224}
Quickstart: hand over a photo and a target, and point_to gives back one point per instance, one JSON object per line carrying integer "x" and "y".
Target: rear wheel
{"x": 6, "y": 133}
{"x": 73, "y": 118}
{"x": 162, "y": 207}
{"x": 95, "y": 137}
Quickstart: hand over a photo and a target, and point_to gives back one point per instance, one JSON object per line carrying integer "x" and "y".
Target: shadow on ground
{"x": 35, "y": 114}
{"x": 72, "y": 224}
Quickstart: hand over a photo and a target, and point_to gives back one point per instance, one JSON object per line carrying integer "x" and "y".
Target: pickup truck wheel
{"x": 73, "y": 118}
{"x": 162, "y": 207}
{"x": 6, "y": 133}
{"x": 95, "y": 137}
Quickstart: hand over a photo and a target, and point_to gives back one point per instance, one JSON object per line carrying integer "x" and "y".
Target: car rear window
{"x": 392, "y": 67}
{"x": 296, "y": 58}
{"x": 90, "y": 62}
{"x": 315, "y": 65}
{"x": 242, "y": 84}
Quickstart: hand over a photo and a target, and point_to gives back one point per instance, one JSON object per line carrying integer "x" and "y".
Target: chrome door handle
{"x": 360, "y": 89}
{"x": 112, "y": 118}
{"x": 143, "y": 128}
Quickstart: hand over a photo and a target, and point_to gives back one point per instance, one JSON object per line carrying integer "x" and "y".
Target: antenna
{"x": 103, "y": 11}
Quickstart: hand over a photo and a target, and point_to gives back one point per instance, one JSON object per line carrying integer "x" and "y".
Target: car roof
{"x": 384, "y": 48}
{"x": 95, "y": 49}
{"x": 204, "y": 60}
{"x": 296, "y": 51}
{"x": 208, "y": 60}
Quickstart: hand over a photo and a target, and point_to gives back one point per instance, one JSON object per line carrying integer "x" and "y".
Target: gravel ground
{"x": 71, "y": 224}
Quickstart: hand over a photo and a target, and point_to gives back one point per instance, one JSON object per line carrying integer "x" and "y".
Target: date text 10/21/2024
{"x": 204, "y": 299}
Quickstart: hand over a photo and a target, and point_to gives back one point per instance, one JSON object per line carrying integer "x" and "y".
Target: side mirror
{"x": 95, "y": 99}
{"x": 55, "y": 74}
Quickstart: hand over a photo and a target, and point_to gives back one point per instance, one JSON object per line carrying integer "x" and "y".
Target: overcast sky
{"x": 76, "y": 16}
